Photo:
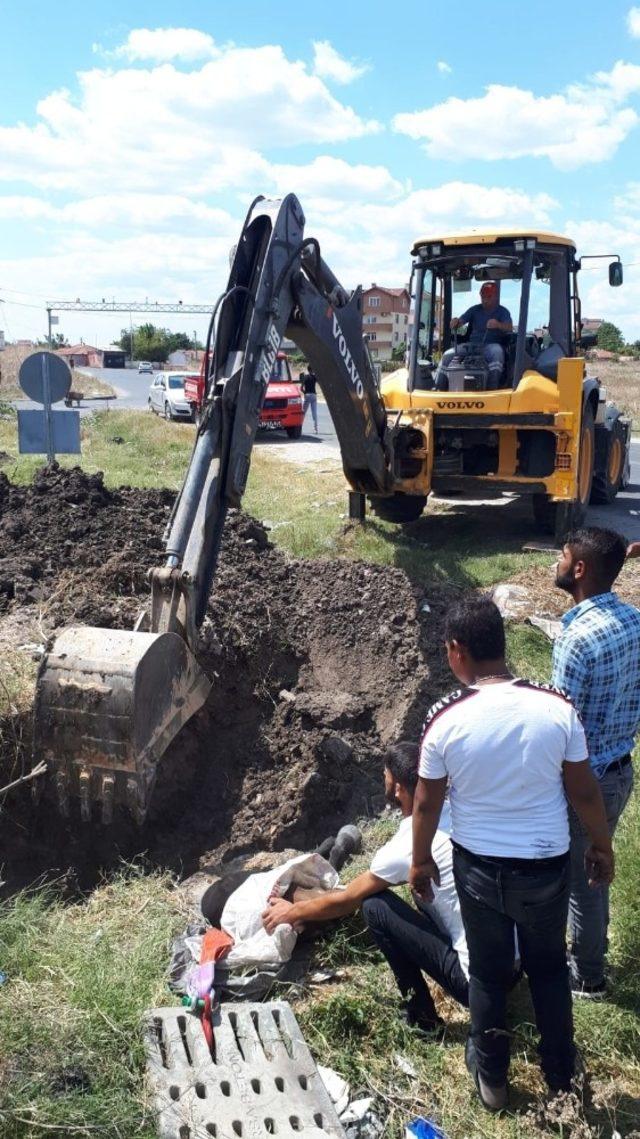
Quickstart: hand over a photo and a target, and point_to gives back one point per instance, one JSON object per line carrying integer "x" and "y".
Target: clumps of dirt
{"x": 316, "y": 666}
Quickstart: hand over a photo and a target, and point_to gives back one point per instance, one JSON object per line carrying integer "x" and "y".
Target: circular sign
{"x": 39, "y": 368}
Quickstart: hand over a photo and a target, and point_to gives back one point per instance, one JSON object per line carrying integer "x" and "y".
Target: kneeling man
{"x": 429, "y": 940}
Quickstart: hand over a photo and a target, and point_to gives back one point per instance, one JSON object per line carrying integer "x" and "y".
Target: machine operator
{"x": 489, "y": 323}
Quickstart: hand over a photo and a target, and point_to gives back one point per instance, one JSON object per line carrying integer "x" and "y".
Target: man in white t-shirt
{"x": 429, "y": 940}
{"x": 509, "y": 751}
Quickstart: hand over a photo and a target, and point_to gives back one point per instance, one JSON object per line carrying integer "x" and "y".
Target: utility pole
{"x": 49, "y": 327}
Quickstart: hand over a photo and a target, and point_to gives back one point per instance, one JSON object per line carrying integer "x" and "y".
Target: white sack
{"x": 242, "y": 914}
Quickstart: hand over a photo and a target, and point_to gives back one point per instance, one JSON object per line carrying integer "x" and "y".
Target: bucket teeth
{"x": 107, "y": 796}
{"x": 133, "y": 799}
{"x": 62, "y": 791}
{"x": 84, "y": 782}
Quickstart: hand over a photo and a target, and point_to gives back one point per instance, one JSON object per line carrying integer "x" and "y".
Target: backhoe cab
{"x": 545, "y": 430}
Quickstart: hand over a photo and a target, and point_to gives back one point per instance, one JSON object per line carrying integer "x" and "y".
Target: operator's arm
{"x": 457, "y": 321}
{"x": 427, "y": 807}
{"x": 332, "y": 904}
{"x": 583, "y": 792}
{"x": 503, "y": 325}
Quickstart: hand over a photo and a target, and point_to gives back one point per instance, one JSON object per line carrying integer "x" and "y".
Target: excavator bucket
{"x": 108, "y": 703}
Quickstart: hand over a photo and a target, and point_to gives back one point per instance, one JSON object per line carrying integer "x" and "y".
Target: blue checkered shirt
{"x": 596, "y": 662}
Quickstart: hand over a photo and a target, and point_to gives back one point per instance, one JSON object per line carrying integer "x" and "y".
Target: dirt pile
{"x": 316, "y": 666}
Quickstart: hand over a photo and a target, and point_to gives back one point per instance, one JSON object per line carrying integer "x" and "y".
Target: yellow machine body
{"x": 536, "y": 404}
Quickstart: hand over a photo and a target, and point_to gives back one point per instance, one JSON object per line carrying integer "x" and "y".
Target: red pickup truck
{"x": 282, "y": 407}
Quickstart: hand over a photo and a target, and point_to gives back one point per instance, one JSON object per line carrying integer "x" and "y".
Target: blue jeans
{"x": 499, "y": 897}
{"x": 589, "y": 906}
{"x": 412, "y": 944}
{"x": 493, "y": 356}
{"x": 311, "y": 400}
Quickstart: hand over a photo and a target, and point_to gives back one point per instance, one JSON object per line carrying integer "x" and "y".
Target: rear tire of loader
{"x": 558, "y": 518}
{"x": 606, "y": 483}
{"x": 398, "y": 508}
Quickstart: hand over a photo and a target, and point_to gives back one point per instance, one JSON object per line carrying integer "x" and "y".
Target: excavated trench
{"x": 316, "y": 666}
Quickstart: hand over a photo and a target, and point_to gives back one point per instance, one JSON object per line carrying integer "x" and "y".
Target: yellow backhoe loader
{"x": 108, "y": 702}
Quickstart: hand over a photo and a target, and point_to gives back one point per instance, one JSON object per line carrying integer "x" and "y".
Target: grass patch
{"x": 79, "y": 979}
{"x": 620, "y": 377}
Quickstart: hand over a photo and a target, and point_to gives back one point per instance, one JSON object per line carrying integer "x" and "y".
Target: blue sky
{"x": 132, "y": 138}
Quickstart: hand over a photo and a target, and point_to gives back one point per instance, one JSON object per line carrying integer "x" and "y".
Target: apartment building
{"x": 385, "y": 315}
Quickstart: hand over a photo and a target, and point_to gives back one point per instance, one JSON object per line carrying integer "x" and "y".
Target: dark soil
{"x": 317, "y": 665}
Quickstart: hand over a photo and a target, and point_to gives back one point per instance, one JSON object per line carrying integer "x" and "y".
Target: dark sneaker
{"x": 493, "y": 1098}
{"x": 431, "y": 1028}
{"x": 588, "y": 991}
{"x": 425, "y": 1020}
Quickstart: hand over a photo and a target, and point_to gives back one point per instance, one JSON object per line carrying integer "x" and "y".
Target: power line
{"x": 21, "y": 304}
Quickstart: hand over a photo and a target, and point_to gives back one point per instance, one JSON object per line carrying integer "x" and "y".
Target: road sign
{"x": 42, "y": 434}
{"x": 47, "y": 379}
{"x": 44, "y": 377}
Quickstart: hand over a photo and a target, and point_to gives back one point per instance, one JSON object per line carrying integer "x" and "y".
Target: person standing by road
{"x": 308, "y": 381}
{"x": 596, "y": 661}
{"x": 509, "y": 749}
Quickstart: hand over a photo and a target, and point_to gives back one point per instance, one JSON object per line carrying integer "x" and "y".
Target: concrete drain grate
{"x": 261, "y": 1079}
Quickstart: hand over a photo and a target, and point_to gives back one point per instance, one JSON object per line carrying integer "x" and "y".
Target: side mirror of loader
{"x": 588, "y": 340}
{"x": 615, "y": 274}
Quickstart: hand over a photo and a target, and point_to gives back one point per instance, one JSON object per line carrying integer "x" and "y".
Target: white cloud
{"x": 617, "y": 232}
{"x": 336, "y": 180}
{"x": 131, "y": 128}
{"x": 329, "y": 64}
{"x": 584, "y": 124}
{"x": 163, "y": 44}
{"x": 444, "y": 67}
{"x": 633, "y": 22}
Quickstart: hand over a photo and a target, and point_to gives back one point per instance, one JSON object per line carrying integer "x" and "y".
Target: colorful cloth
{"x": 596, "y": 662}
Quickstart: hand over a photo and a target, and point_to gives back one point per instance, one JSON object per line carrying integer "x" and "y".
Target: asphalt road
{"x": 133, "y": 390}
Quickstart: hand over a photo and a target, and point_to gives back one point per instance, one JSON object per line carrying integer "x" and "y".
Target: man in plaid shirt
{"x": 596, "y": 662}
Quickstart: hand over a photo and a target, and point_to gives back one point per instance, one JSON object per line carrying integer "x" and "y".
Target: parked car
{"x": 166, "y": 395}
{"x": 282, "y": 407}
{"x": 145, "y": 366}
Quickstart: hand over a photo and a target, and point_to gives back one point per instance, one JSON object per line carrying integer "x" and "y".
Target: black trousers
{"x": 412, "y": 944}
{"x": 497, "y": 898}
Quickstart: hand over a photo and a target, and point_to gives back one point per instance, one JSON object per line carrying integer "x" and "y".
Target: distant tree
{"x": 178, "y": 340}
{"x": 610, "y": 337}
{"x": 58, "y": 340}
{"x": 151, "y": 343}
{"x": 398, "y": 352}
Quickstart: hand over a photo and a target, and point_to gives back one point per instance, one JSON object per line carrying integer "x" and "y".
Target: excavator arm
{"x": 108, "y": 702}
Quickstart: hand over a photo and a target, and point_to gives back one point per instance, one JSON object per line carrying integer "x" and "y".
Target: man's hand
{"x": 421, "y": 875}
{"x": 278, "y": 912}
{"x": 493, "y": 323}
{"x": 599, "y": 866}
{"x": 455, "y": 323}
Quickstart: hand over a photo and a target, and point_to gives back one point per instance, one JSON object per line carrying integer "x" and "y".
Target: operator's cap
{"x": 489, "y": 287}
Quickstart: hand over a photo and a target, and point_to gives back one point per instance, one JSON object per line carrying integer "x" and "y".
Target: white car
{"x": 166, "y": 396}
{"x": 145, "y": 366}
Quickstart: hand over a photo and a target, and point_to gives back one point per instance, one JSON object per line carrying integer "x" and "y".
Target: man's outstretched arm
{"x": 332, "y": 904}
